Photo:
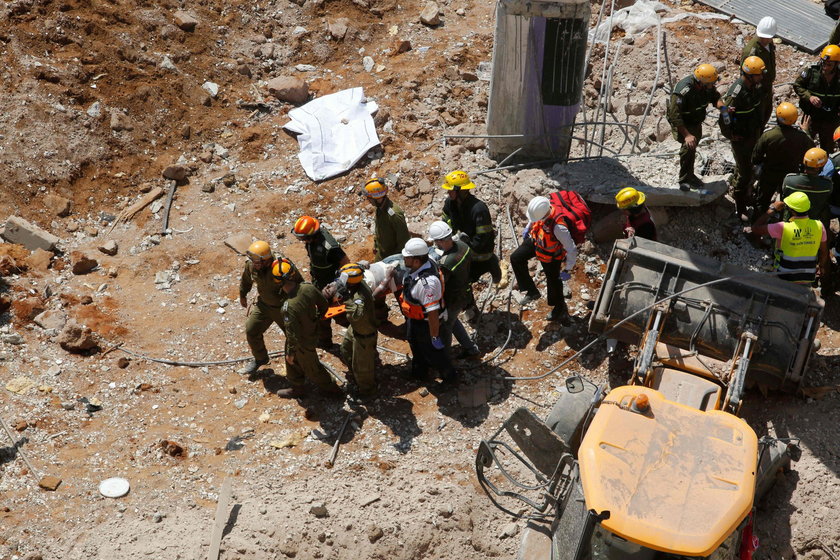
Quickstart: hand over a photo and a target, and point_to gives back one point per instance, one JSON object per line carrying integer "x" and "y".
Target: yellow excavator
{"x": 663, "y": 467}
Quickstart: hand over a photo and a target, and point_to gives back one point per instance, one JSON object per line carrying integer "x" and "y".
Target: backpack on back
{"x": 574, "y": 211}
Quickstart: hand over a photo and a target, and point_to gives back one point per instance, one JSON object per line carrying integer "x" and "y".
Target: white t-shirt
{"x": 561, "y": 233}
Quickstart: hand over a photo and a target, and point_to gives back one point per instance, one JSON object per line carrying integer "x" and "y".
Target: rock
{"x": 370, "y": 499}
{"x": 318, "y": 509}
{"x": 244, "y": 70}
{"x": 58, "y": 205}
{"x": 72, "y": 226}
{"x": 634, "y": 108}
{"x": 208, "y": 187}
{"x": 510, "y": 530}
{"x": 86, "y": 300}
{"x": 186, "y": 132}
{"x": 430, "y": 14}
{"x": 239, "y": 242}
{"x": 39, "y": 260}
{"x": 229, "y": 180}
{"x": 95, "y": 110}
{"x": 81, "y": 263}
{"x": 51, "y": 320}
{"x": 211, "y": 88}
{"x": 338, "y": 28}
{"x": 185, "y": 21}
{"x": 157, "y": 517}
{"x": 469, "y": 76}
{"x": 288, "y": 548}
{"x": 123, "y": 362}
{"x": 470, "y": 129}
{"x": 20, "y": 425}
{"x": 172, "y": 448}
{"x": 375, "y": 533}
{"x": 291, "y": 90}
{"x": 401, "y": 46}
{"x": 49, "y": 482}
{"x": 176, "y": 172}
{"x": 166, "y": 64}
{"x": 91, "y": 231}
{"x": 368, "y": 63}
{"x": 110, "y": 247}
{"x": 29, "y": 235}
{"x": 446, "y": 511}
{"x": 120, "y": 121}
{"x": 13, "y": 338}
{"x": 76, "y": 338}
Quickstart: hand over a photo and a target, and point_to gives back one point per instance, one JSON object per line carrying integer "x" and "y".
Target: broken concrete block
{"x": 49, "y": 482}
{"x": 51, "y": 319}
{"x": 76, "y": 338}
{"x": 634, "y": 108}
{"x": 239, "y": 242}
{"x": 185, "y": 21}
{"x": 58, "y": 205}
{"x": 338, "y": 28}
{"x": 39, "y": 260}
{"x": 401, "y": 46}
{"x": 176, "y": 172}
{"x": 120, "y": 121}
{"x": 27, "y": 234}
{"x": 110, "y": 247}
{"x": 81, "y": 263}
{"x": 430, "y": 14}
{"x": 289, "y": 89}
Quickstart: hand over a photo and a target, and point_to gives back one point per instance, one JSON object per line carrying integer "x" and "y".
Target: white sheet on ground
{"x": 334, "y": 132}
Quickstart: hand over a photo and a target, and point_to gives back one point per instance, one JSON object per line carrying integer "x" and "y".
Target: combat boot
{"x": 292, "y": 393}
{"x": 251, "y": 367}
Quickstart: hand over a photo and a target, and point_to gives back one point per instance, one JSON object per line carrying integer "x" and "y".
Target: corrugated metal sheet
{"x": 800, "y": 22}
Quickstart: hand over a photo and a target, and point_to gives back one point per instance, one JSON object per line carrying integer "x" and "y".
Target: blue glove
{"x": 437, "y": 343}
{"x": 565, "y": 276}
{"x": 525, "y": 233}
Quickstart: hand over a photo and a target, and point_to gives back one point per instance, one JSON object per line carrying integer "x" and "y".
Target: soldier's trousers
{"x": 423, "y": 354}
{"x": 742, "y": 180}
{"x": 455, "y": 328}
{"x": 259, "y": 320}
{"x": 359, "y": 351}
{"x": 687, "y": 155}
{"x": 823, "y": 130}
{"x": 307, "y": 366}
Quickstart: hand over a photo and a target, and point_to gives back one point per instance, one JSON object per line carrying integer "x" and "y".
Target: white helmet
{"x": 538, "y": 208}
{"x": 439, "y": 230}
{"x": 766, "y": 28}
{"x": 415, "y": 247}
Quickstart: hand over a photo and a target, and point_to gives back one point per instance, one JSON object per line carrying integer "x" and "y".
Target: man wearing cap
{"x": 818, "y": 89}
{"x": 811, "y": 182}
{"x": 421, "y": 301}
{"x": 638, "y": 221}
{"x": 761, "y": 45}
{"x": 390, "y": 229}
{"x": 801, "y": 243}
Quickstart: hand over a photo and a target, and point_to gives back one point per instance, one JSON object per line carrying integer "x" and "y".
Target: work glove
{"x": 437, "y": 343}
{"x": 525, "y": 233}
{"x": 565, "y": 276}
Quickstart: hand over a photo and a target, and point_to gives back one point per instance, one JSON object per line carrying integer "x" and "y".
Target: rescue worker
{"x": 817, "y": 187}
{"x": 740, "y": 121}
{"x": 454, "y": 262}
{"x": 325, "y": 258}
{"x": 801, "y": 246}
{"x": 778, "y": 152}
{"x": 302, "y": 310}
{"x": 422, "y": 304}
{"x": 818, "y": 89}
{"x": 686, "y": 112}
{"x": 638, "y": 221}
{"x": 761, "y": 45}
{"x": 390, "y": 229}
{"x": 358, "y": 349}
{"x": 266, "y": 310}
{"x": 832, "y": 171}
{"x": 547, "y": 238}
{"x": 470, "y": 218}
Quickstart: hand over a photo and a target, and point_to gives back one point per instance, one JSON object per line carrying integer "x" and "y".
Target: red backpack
{"x": 571, "y": 207}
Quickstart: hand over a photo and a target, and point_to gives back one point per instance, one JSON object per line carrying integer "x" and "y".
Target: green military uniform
{"x": 768, "y": 55}
{"x": 687, "y": 108}
{"x": 267, "y": 310}
{"x": 457, "y": 293}
{"x": 301, "y": 312}
{"x": 359, "y": 345}
{"x": 391, "y": 231}
{"x": 325, "y": 258}
{"x": 743, "y": 132}
{"x": 812, "y": 83}
{"x": 818, "y": 189}
{"x": 779, "y": 151}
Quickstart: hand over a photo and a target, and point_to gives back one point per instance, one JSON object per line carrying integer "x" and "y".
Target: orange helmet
{"x": 282, "y": 270}
{"x": 706, "y": 74}
{"x": 787, "y": 113}
{"x": 753, "y": 66}
{"x": 830, "y": 52}
{"x": 352, "y": 273}
{"x": 259, "y": 251}
{"x": 815, "y": 158}
{"x": 376, "y": 188}
{"x": 836, "y": 134}
{"x": 306, "y": 226}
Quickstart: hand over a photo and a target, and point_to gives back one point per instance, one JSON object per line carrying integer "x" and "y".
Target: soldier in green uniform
{"x": 686, "y": 112}
{"x": 391, "y": 231}
{"x": 740, "y": 121}
{"x": 818, "y": 89}
{"x": 779, "y": 151}
{"x": 302, "y": 310}
{"x": 325, "y": 258}
{"x": 817, "y": 187}
{"x": 358, "y": 349}
{"x": 761, "y": 45}
{"x": 267, "y": 309}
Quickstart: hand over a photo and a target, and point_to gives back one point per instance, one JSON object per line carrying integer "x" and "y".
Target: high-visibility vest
{"x": 547, "y": 247}
{"x": 409, "y": 305}
{"x": 796, "y": 256}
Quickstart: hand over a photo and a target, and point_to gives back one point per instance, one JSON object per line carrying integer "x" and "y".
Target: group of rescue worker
{"x": 783, "y": 161}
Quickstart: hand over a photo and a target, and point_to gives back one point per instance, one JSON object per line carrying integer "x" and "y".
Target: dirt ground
{"x": 98, "y": 97}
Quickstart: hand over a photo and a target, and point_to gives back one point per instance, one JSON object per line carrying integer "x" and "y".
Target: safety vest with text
{"x": 412, "y": 308}
{"x": 796, "y": 256}
{"x": 547, "y": 247}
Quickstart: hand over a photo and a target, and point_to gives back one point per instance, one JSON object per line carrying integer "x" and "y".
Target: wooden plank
{"x": 221, "y": 520}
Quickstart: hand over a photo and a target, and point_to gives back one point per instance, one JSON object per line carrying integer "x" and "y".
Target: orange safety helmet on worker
{"x": 306, "y": 227}
{"x": 411, "y": 307}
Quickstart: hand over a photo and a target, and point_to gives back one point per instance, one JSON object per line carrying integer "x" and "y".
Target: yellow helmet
{"x": 798, "y": 202}
{"x": 706, "y": 74}
{"x": 457, "y": 181}
{"x": 787, "y": 113}
{"x": 376, "y": 188}
{"x": 283, "y": 269}
{"x": 830, "y": 52}
{"x": 753, "y": 66}
{"x": 629, "y": 197}
{"x": 815, "y": 158}
{"x": 353, "y": 272}
{"x": 259, "y": 251}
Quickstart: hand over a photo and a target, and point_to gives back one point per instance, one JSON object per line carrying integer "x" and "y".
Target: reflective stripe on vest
{"x": 411, "y": 308}
{"x": 546, "y": 246}
{"x": 796, "y": 257}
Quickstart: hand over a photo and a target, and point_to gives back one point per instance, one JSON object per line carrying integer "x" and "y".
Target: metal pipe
{"x": 655, "y": 81}
{"x": 667, "y": 62}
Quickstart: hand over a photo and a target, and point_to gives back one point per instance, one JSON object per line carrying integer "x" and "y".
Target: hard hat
{"x": 415, "y": 247}
{"x": 836, "y": 134}
{"x": 439, "y": 230}
{"x": 376, "y": 188}
{"x": 629, "y": 197}
{"x": 830, "y": 52}
{"x": 306, "y": 226}
{"x": 457, "y": 181}
{"x": 259, "y": 251}
{"x": 706, "y": 74}
{"x": 538, "y": 208}
{"x": 351, "y": 273}
{"x": 283, "y": 269}
{"x": 753, "y": 66}
{"x": 815, "y": 158}
{"x": 766, "y": 28}
{"x": 787, "y": 113}
{"x": 798, "y": 202}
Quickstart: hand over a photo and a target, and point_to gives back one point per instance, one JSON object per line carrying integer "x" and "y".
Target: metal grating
{"x": 800, "y": 22}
